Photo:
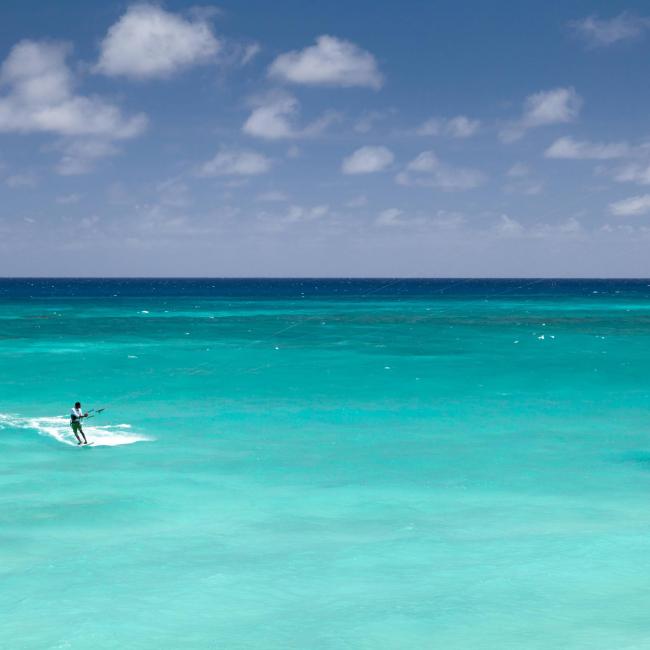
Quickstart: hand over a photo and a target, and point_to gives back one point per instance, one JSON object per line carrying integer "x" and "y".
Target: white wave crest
{"x": 58, "y": 427}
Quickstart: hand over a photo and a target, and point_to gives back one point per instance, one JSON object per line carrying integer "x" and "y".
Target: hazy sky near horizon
{"x": 356, "y": 138}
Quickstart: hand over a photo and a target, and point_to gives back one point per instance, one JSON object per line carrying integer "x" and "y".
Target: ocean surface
{"x": 325, "y": 464}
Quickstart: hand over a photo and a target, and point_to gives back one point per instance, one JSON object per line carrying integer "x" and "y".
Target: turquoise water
{"x": 320, "y": 464}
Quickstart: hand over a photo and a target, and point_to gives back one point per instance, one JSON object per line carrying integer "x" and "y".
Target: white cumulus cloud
{"x": 571, "y": 149}
{"x": 426, "y": 170}
{"x": 331, "y": 61}
{"x": 236, "y": 163}
{"x": 556, "y": 106}
{"x": 600, "y": 32}
{"x": 631, "y": 207}
{"x": 367, "y": 160}
{"x": 40, "y": 97}
{"x": 275, "y": 117}
{"x": 149, "y": 42}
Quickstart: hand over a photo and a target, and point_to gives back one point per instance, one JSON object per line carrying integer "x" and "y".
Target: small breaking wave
{"x": 58, "y": 427}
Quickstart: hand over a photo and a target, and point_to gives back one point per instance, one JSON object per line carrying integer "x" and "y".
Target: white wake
{"x": 58, "y": 427}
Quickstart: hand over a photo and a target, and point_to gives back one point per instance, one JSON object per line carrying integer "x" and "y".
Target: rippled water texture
{"x": 378, "y": 464}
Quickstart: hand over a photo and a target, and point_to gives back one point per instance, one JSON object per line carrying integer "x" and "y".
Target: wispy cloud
{"x": 440, "y": 221}
{"x": 68, "y": 199}
{"x": 79, "y": 156}
{"x": 633, "y": 173}
{"x": 518, "y": 170}
{"x": 18, "y": 181}
{"x": 556, "y": 106}
{"x": 173, "y": 193}
{"x": 368, "y": 119}
{"x": 236, "y": 163}
{"x": 601, "y": 32}
{"x": 455, "y": 127}
{"x": 520, "y": 180}
{"x": 569, "y": 149}
{"x": 391, "y": 217}
{"x": 426, "y": 170}
{"x": 510, "y": 228}
{"x": 249, "y": 52}
{"x": 633, "y": 206}
{"x": 273, "y": 196}
{"x": 360, "y": 201}
{"x": 291, "y": 216}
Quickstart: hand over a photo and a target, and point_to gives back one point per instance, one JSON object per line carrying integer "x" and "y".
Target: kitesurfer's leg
{"x": 76, "y": 435}
{"x": 75, "y": 427}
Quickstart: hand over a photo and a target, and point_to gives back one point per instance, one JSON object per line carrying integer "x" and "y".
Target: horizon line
{"x": 315, "y": 277}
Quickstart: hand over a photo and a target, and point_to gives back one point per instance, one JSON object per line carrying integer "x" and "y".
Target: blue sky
{"x": 324, "y": 139}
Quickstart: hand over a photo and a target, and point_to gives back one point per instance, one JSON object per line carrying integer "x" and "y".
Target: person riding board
{"x": 76, "y": 415}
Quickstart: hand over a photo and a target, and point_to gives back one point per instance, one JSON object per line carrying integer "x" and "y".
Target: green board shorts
{"x": 76, "y": 425}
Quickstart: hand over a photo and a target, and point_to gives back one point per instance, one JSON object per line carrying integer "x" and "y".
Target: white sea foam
{"x": 58, "y": 427}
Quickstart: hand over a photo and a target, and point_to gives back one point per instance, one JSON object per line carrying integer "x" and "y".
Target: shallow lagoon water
{"x": 325, "y": 464}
